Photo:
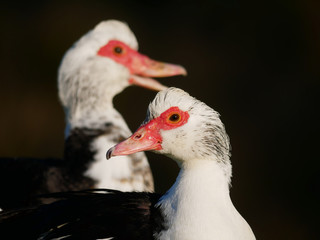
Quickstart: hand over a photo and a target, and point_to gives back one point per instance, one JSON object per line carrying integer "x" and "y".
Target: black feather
{"x": 89, "y": 214}
{"x": 23, "y": 178}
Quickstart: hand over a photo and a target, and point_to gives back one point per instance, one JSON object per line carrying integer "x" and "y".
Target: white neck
{"x": 87, "y": 92}
{"x": 94, "y": 117}
{"x": 198, "y": 205}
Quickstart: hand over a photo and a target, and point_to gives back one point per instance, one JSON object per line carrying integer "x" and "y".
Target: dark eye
{"x": 174, "y": 117}
{"x": 118, "y": 50}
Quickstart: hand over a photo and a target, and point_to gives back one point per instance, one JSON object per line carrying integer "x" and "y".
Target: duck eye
{"x": 174, "y": 118}
{"x": 118, "y": 50}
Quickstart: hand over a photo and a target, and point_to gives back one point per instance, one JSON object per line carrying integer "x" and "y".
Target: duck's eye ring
{"x": 174, "y": 118}
{"x": 118, "y": 50}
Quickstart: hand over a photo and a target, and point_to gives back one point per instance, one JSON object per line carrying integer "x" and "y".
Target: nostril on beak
{"x": 138, "y": 136}
{"x": 109, "y": 153}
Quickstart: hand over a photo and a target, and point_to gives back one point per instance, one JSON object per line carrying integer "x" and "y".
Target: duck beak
{"x": 142, "y": 67}
{"x": 144, "y": 139}
{"x": 148, "y": 83}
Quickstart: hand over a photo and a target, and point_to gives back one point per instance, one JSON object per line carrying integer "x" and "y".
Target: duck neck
{"x": 94, "y": 117}
{"x": 199, "y": 204}
{"x": 88, "y": 98}
{"x": 201, "y": 183}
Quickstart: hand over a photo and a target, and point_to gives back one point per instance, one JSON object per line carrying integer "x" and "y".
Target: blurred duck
{"x": 96, "y": 68}
{"x": 197, "y": 206}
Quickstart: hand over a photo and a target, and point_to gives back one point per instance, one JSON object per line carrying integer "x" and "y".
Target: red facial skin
{"x": 148, "y": 137}
{"x": 139, "y": 65}
{"x": 123, "y": 54}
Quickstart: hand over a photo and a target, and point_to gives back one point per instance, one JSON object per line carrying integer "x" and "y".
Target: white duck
{"x": 197, "y": 206}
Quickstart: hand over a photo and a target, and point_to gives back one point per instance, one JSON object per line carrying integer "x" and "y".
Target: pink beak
{"x": 142, "y": 67}
{"x": 145, "y": 138}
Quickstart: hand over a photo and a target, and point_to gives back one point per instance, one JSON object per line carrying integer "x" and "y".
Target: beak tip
{"x": 109, "y": 153}
{"x": 184, "y": 72}
{"x": 180, "y": 70}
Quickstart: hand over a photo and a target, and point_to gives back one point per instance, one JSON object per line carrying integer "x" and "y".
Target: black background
{"x": 255, "y": 63}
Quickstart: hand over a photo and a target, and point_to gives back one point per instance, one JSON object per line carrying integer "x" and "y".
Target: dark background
{"x": 255, "y": 63}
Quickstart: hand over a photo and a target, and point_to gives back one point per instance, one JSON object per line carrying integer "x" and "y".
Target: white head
{"x": 100, "y": 65}
{"x": 82, "y": 69}
{"x": 181, "y": 127}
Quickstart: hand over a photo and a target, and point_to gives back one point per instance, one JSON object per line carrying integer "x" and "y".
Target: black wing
{"x": 89, "y": 214}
